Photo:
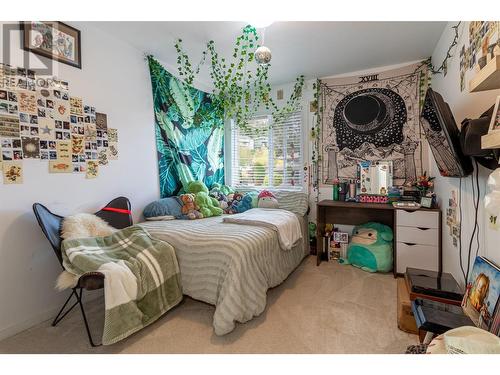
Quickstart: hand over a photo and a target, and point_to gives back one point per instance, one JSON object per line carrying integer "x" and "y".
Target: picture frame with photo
{"x": 69, "y": 46}
{"x": 426, "y": 202}
{"x": 495, "y": 118}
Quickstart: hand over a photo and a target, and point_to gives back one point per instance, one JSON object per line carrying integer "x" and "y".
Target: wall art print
{"x": 54, "y": 40}
{"x": 372, "y": 117}
{"x": 189, "y": 134}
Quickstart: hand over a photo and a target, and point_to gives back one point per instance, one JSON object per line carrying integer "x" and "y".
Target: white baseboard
{"x": 33, "y": 321}
{"x": 39, "y": 318}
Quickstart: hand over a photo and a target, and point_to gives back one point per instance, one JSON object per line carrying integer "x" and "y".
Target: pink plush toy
{"x": 267, "y": 200}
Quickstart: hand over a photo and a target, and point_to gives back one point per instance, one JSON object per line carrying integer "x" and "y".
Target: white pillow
{"x": 84, "y": 226}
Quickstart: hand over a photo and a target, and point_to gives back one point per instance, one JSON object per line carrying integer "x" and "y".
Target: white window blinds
{"x": 268, "y": 155}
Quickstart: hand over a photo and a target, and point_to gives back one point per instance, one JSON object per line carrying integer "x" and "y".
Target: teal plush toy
{"x": 371, "y": 247}
{"x": 244, "y": 205}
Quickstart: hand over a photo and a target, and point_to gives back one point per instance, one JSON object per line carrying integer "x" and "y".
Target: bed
{"x": 229, "y": 265}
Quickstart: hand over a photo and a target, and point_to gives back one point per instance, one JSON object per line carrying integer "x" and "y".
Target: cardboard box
{"x": 406, "y": 321}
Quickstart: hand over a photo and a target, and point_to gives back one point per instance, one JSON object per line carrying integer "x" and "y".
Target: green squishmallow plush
{"x": 371, "y": 247}
{"x": 195, "y": 187}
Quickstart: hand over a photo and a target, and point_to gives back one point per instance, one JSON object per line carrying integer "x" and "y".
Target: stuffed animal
{"x": 242, "y": 205}
{"x": 267, "y": 200}
{"x": 371, "y": 247}
{"x": 255, "y": 198}
{"x": 190, "y": 208}
{"x": 216, "y": 193}
{"x": 221, "y": 198}
{"x": 224, "y": 189}
{"x": 195, "y": 187}
{"x": 233, "y": 200}
{"x": 206, "y": 205}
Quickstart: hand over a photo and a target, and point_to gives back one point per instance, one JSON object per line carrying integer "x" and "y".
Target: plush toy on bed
{"x": 242, "y": 205}
{"x": 190, "y": 209}
{"x": 224, "y": 189}
{"x": 267, "y": 200}
{"x": 196, "y": 187}
{"x": 216, "y": 192}
{"x": 371, "y": 247}
{"x": 233, "y": 200}
{"x": 208, "y": 205}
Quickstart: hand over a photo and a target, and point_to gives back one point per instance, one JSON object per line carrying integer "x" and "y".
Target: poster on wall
{"x": 371, "y": 118}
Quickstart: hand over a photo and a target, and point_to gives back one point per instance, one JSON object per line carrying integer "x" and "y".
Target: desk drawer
{"x": 417, "y": 256}
{"x": 418, "y": 218}
{"x": 417, "y": 235}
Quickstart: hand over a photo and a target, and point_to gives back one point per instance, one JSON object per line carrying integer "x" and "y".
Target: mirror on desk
{"x": 375, "y": 177}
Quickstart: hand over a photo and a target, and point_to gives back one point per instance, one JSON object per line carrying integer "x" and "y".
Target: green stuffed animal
{"x": 207, "y": 205}
{"x": 224, "y": 189}
{"x": 194, "y": 187}
{"x": 371, "y": 247}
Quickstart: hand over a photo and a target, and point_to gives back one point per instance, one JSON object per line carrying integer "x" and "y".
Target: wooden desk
{"x": 352, "y": 213}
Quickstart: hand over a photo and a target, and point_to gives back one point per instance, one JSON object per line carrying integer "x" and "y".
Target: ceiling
{"x": 315, "y": 49}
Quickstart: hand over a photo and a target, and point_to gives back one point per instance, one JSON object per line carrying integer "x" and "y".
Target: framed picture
{"x": 426, "y": 202}
{"x": 495, "y": 118}
{"x": 480, "y": 301}
{"x": 54, "y": 40}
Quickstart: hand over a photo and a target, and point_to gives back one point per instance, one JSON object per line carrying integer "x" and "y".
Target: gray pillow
{"x": 295, "y": 201}
{"x": 171, "y": 206}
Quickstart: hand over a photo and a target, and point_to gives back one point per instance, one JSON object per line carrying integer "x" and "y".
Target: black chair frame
{"x": 117, "y": 214}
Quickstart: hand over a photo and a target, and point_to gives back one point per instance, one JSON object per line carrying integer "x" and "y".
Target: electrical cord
{"x": 460, "y": 230}
{"x": 477, "y": 209}
{"x": 475, "y": 231}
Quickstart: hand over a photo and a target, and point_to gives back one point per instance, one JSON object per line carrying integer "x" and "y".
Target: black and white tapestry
{"x": 372, "y": 117}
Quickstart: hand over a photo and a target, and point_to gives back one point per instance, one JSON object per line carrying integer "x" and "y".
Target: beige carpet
{"x": 326, "y": 309}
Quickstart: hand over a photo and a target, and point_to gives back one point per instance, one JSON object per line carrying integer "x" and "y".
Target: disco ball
{"x": 263, "y": 55}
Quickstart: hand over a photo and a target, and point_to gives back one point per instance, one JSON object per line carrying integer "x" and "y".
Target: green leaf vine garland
{"x": 239, "y": 90}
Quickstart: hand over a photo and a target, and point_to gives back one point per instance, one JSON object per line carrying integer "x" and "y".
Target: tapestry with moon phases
{"x": 370, "y": 118}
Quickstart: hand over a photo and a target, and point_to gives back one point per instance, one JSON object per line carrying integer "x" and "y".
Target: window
{"x": 268, "y": 155}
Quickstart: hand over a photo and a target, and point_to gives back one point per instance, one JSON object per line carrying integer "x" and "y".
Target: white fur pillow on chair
{"x": 85, "y": 225}
{"x": 80, "y": 226}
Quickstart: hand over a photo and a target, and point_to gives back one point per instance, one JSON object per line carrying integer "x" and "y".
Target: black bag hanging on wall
{"x": 470, "y": 140}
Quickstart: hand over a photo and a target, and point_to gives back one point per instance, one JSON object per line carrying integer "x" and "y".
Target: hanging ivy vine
{"x": 241, "y": 87}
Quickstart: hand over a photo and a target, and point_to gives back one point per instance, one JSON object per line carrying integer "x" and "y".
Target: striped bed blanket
{"x": 142, "y": 279}
{"x": 229, "y": 265}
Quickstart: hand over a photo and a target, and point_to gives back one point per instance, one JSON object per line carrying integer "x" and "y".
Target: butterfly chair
{"x": 116, "y": 213}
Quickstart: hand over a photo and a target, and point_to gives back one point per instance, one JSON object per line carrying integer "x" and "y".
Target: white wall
{"x": 463, "y": 105}
{"x": 115, "y": 79}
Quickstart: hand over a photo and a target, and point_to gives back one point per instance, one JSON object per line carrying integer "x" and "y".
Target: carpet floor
{"x": 326, "y": 309}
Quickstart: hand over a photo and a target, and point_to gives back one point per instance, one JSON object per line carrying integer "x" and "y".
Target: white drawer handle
{"x": 423, "y": 228}
{"x": 409, "y": 243}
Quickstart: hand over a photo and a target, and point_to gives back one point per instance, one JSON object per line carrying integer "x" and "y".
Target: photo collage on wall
{"x": 484, "y": 45}
{"x": 452, "y": 218}
{"x": 39, "y": 119}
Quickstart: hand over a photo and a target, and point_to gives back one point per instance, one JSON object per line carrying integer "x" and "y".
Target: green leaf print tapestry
{"x": 189, "y": 133}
